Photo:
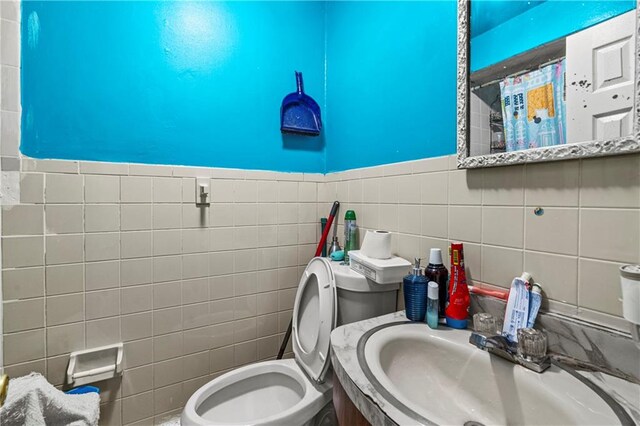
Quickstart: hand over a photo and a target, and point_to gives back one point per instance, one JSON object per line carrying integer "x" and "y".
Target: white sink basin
{"x": 440, "y": 378}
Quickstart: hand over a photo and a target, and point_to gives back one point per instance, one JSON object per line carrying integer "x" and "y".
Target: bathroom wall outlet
{"x": 203, "y": 192}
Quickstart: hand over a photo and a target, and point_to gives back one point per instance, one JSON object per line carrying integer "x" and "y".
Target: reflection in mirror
{"x": 547, "y": 72}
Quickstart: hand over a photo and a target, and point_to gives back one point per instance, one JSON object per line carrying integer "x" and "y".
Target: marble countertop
{"x": 378, "y": 411}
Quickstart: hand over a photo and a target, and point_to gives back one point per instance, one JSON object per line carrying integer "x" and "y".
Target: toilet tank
{"x": 359, "y": 298}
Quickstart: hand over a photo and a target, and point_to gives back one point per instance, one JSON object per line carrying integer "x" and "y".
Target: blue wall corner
{"x": 200, "y": 83}
{"x": 189, "y": 83}
{"x": 391, "y": 82}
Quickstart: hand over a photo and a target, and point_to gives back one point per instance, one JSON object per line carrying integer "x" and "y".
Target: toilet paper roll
{"x": 377, "y": 245}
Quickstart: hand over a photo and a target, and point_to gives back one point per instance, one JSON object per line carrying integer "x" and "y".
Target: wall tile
{"x": 64, "y": 249}
{"x": 610, "y": 234}
{"x": 10, "y": 134}
{"x": 137, "y": 407}
{"x": 31, "y": 184}
{"x": 137, "y": 353}
{"x": 245, "y": 191}
{"x": 168, "y": 372}
{"x": 22, "y": 315}
{"x": 101, "y": 218}
{"x": 103, "y": 246}
{"x": 610, "y": 181}
{"x": 22, "y": 220}
{"x": 501, "y": 265}
{"x": 409, "y": 219}
{"x": 435, "y": 221}
{"x": 136, "y": 244}
{"x": 64, "y": 219}
{"x": 287, "y": 213}
{"x": 552, "y": 184}
{"x": 136, "y": 217}
{"x": 167, "y": 346}
{"x": 136, "y": 326}
{"x": 465, "y": 187}
{"x": 167, "y": 294}
{"x": 105, "y": 331}
{"x": 167, "y": 216}
{"x": 61, "y": 188}
{"x": 167, "y": 268}
{"x": 167, "y": 242}
{"x": 17, "y": 370}
{"x": 64, "y": 279}
{"x": 103, "y": 168}
{"x": 196, "y": 315}
{"x": 136, "y": 189}
{"x": 102, "y": 304}
{"x": 465, "y": 223}
{"x": 65, "y": 338}
{"x": 22, "y": 251}
{"x": 136, "y": 299}
{"x": 22, "y": 347}
{"x": 65, "y": 309}
{"x": 167, "y": 190}
{"x": 22, "y": 283}
{"x": 599, "y": 286}
{"x": 101, "y": 189}
{"x": 503, "y": 186}
{"x": 221, "y": 359}
{"x": 10, "y": 78}
{"x": 221, "y": 214}
{"x": 137, "y": 271}
{"x": 555, "y": 232}
{"x": 558, "y": 275}
{"x": 197, "y": 339}
{"x": 503, "y": 226}
{"x": 195, "y": 265}
{"x": 102, "y": 275}
{"x": 166, "y": 399}
{"x": 137, "y": 380}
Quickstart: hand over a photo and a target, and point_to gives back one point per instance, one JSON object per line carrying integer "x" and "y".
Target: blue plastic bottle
{"x": 415, "y": 293}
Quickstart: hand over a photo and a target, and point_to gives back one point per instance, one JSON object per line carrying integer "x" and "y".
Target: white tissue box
{"x": 381, "y": 271}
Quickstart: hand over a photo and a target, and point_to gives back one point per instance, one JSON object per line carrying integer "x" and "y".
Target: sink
{"x": 436, "y": 376}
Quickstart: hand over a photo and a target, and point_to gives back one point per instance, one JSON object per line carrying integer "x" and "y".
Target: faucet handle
{"x": 484, "y": 323}
{"x": 532, "y": 344}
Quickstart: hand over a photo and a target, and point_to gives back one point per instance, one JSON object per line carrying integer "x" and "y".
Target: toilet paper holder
{"x": 94, "y": 365}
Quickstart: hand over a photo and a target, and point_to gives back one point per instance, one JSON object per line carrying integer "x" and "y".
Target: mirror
{"x": 543, "y": 80}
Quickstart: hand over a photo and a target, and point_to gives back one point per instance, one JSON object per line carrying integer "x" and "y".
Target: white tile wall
{"x": 590, "y": 225}
{"x": 96, "y": 255}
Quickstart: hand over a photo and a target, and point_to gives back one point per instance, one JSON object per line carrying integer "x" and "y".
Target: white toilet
{"x": 295, "y": 391}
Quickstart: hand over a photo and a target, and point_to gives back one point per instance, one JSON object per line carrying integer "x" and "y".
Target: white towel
{"x": 31, "y": 401}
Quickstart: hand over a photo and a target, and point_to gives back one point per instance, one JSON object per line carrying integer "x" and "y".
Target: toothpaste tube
{"x": 517, "y": 312}
{"x": 535, "y": 300}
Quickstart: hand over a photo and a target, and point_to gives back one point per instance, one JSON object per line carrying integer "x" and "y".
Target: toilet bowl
{"x": 294, "y": 391}
{"x": 266, "y": 393}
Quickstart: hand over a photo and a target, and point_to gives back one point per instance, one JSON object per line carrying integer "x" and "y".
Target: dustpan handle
{"x": 299, "y": 82}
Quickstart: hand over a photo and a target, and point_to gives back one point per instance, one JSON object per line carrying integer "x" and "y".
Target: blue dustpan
{"x": 299, "y": 113}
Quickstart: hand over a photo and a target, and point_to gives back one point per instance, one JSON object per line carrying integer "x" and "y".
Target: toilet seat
{"x": 280, "y": 394}
{"x": 314, "y": 317}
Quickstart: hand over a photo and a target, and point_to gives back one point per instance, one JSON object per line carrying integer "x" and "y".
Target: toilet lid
{"x": 314, "y": 316}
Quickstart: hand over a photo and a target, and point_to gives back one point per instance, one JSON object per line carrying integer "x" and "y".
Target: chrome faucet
{"x": 518, "y": 354}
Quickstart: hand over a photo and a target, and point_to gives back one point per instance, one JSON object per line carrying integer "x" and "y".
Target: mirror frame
{"x": 624, "y": 145}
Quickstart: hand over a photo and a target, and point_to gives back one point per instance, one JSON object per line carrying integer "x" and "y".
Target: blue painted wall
{"x": 529, "y": 27}
{"x": 391, "y": 82}
{"x": 191, "y": 83}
